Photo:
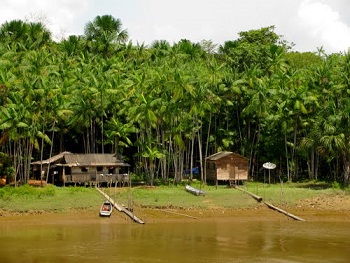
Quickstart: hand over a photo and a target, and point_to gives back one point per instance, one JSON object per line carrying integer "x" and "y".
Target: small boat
{"x": 194, "y": 191}
{"x": 106, "y": 209}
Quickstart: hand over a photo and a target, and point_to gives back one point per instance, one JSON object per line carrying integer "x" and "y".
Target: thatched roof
{"x": 53, "y": 158}
{"x": 90, "y": 159}
{"x": 93, "y": 159}
{"x": 217, "y": 156}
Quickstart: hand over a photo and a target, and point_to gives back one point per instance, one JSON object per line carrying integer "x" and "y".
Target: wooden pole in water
{"x": 175, "y": 213}
{"x": 256, "y": 197}
{"x": 121, "y": 208}
{"x": 282, "y": 211}
{"x": 259, "y": 199}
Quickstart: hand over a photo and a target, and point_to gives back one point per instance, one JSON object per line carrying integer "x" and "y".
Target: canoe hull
{"x": 194, "y": 191}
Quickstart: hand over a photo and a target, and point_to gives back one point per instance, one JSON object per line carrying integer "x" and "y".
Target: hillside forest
{"x": 165, "y": 107}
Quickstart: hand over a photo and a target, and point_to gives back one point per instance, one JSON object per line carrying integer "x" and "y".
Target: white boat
{"x": 106, "y": 209}
{"x": 194, "y": 191}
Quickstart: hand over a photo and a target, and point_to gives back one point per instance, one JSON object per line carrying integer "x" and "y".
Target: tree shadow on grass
{"x": 315, "y": 185}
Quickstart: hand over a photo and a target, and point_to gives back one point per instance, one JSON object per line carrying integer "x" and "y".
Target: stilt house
{"x": 227, "y": 166}
{"x": 68, "y": 167}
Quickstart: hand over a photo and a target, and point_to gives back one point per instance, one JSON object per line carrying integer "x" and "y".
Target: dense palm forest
{"x": 166, "y": 107}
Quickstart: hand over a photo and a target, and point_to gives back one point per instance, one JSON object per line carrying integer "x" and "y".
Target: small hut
{"x": 227, "y": 166}
{"x": 68, "y": 167}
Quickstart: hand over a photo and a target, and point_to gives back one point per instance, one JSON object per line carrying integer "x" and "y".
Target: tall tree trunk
{"x": 42, "y": 157}
{"x": 346, "y": 161}
{"x": 51, "y": 149}
{"x": 287, "y": 159}
{"x": 192, "y": 154}
{"x": 200, "y": 154}
{"x": 206, "y": 150}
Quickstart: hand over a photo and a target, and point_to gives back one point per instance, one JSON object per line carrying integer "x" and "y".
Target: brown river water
{"x": 262, "y": 236}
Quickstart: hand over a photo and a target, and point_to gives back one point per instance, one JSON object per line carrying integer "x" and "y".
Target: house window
{"x": 84, "y": 169}
{"x": 99, "y": 168}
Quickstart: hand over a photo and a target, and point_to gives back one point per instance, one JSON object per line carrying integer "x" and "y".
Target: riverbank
{"x": 163, "y": 216}
{"x": 316, "y": 201}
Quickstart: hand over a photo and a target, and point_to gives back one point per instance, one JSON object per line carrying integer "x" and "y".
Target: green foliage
{"x": 139, "y": 177}
{"x": 169, "y": 106}
{"x": 6, "y": 167}
{"x": 336, "y": 185}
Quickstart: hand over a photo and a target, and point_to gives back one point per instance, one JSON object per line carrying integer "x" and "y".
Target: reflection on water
{"x": 186, "y": 241}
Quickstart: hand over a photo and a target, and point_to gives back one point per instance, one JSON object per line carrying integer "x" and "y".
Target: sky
{"x": 309, "y": 24}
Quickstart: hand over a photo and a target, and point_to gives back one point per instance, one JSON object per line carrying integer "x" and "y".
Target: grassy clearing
{"x": 222, "y": 196}
{"x": 177, "y": 197}
{"x": 292, "y": 193}
{"x": 50, "y": 198}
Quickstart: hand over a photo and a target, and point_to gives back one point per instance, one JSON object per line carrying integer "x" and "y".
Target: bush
{"x": 74, "y": 190}
{"x": 138, "y": 177}
{"x": 47, "y": 191}
{"x": 336, "y": 185}
{"x": 2, "y": 193}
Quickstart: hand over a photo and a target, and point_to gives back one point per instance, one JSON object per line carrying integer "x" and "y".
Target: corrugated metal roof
{"x": 220, "y": 155}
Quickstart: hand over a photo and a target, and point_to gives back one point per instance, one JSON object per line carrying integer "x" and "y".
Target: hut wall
{"x": 240, "y": 169}
{"x": 81, "y": 174}
{"x": 229, "y": 168}
{"x": 87, "y": 174}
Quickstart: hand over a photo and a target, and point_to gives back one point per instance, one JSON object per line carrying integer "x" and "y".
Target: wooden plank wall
{"x": 228, "y": 169}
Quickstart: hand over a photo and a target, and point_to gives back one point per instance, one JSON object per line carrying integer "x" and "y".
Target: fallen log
{"x": 256, "y": 197}
{"x": 282, "y": 211}
{"x": 259, "y": 199}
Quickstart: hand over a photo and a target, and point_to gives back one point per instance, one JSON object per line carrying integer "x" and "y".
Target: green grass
{"x": 27, "y": 198}
{"x": 292, "y": 193}
{"x": 222, "y": 196}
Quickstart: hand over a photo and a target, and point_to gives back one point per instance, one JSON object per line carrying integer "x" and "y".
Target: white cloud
{"x": 307, "y": 23}
{"x": 208, "y": 19}
{"x": 60, "y": 16}
{"x": 324, "y": 25}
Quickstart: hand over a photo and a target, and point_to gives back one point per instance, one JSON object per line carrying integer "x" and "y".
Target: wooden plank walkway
{"x": 120, "y": 208}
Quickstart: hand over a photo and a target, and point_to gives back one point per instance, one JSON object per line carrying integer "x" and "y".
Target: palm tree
{"x": 22, "y": 36}
{"x": 73, "y": 45}
{"x": 119, "y": 133}
{"x": 104, "y": 32}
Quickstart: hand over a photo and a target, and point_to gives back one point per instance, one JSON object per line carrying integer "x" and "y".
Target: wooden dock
{"x": 120, "y": 208}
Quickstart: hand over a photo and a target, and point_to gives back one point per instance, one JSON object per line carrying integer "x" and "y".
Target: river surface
{"x": 87, "y": 238}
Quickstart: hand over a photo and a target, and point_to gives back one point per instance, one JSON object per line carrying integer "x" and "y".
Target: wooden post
{"x": 64, "y": 175}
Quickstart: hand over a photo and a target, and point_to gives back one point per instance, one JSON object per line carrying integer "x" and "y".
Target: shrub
{"x": 47, "y": 191}
{"x": 336, "y": 185}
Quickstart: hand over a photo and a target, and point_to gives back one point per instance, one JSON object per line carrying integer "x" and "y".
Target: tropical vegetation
{"x": 166, "y": 107}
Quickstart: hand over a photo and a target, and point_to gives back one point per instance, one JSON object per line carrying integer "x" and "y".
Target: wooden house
{"x": 227, "y": 166}
{"x": 71, "y": 168}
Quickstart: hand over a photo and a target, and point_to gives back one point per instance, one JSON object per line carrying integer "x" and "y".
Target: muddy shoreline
{"x": 321, "y": 208}
{"x": 156, "y": 215}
